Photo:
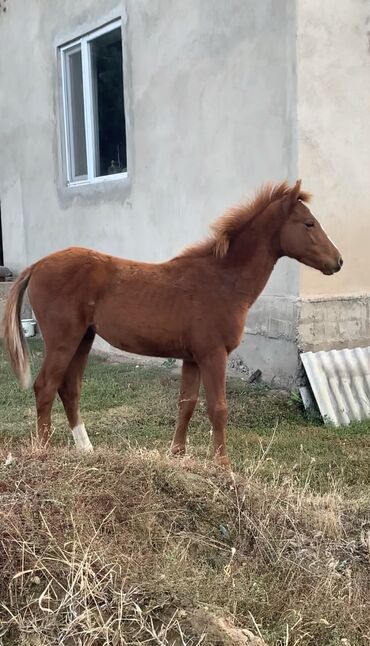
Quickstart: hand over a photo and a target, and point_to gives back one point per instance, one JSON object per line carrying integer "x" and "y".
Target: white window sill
{"x": 97, "y": 180}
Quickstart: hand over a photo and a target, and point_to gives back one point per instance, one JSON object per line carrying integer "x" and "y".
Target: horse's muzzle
{"x": 333, "y": 268}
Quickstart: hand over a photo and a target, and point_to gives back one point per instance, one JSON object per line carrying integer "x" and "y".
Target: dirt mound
{"x": 135, "y": 548}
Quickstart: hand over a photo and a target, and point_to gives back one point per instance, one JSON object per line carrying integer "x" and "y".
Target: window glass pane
{"x": 109, "y": 112}
{"x": 76, "y": 116}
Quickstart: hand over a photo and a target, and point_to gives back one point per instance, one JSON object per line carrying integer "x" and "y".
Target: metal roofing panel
{"x": 340, "y": 381}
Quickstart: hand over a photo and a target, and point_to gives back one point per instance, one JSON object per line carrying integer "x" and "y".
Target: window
{"x": 93, "y": 102}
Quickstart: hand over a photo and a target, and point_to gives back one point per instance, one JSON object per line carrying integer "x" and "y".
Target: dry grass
{"x": 136, "y": 548}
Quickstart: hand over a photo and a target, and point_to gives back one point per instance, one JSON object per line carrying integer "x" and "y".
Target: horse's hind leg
{"x": 189, "y": 391}
{"x": 46, "y": 385}
{"x": 70, "y": 391}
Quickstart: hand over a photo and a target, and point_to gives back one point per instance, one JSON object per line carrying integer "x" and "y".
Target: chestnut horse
{"x": 192, "y": 307}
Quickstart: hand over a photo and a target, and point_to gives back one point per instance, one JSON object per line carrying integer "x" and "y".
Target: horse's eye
{"x": 309, "y": 224}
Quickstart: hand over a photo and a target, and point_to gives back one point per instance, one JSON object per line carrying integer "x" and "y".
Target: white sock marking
{"x": 81, "y": 438}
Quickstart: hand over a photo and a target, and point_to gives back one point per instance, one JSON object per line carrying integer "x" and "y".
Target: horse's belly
{"x": 145, "y": 339}
{"x": 151, "y": 349}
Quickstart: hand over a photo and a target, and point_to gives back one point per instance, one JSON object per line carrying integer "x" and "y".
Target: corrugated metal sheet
{"x": 340, "y": 381}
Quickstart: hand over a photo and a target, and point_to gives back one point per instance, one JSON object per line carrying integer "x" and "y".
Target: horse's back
{"x": 76, "y": 280}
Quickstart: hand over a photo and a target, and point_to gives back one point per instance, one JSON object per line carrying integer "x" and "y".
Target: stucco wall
{"x": 333, "y": 64}
{"x": 210, "y": 93}
{"x": 209, "y": 110}
{"x": 333, "y": 72}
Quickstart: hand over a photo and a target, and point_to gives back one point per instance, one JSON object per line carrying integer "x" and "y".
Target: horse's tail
{"x": 15, "y": 341}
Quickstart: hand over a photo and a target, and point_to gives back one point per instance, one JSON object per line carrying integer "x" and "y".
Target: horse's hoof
{"x": 40, "y": 445}
{"x": 85, "y": 449}
{"x": 223, "y": 462}
{"x": 177, "y": 451}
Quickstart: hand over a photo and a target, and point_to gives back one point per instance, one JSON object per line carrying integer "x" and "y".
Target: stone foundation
{"x": 279, "y": 328}
{"x": 333, "y": 323}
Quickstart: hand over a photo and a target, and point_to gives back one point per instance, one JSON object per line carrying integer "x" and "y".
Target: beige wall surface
{"x": 333, "y": 73}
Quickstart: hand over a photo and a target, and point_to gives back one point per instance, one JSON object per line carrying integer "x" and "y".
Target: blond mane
{"x": 235, "y": 219}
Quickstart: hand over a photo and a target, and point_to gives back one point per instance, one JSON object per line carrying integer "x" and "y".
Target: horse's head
{"x": 303, "y": 238}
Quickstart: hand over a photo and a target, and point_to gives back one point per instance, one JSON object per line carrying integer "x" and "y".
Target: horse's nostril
{"x": 340, "y": 262}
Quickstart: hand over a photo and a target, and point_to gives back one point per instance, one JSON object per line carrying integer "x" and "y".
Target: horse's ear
{"x": 291, "y": 199}
{"x": 296, "y": 191}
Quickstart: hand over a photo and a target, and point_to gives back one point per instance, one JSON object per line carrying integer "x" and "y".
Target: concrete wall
{"x": 333, "y": 71}
{"x": 210, "y": 93}
{"x": 333, "y": 322}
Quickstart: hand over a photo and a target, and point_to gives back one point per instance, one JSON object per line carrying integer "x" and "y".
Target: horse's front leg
{"x": 189, "y": 391}
{"x": 213, "y": 370}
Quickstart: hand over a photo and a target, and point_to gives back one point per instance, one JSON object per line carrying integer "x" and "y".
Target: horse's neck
{"x": 251, "y": 260}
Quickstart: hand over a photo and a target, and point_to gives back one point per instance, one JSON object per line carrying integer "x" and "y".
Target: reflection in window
{"x": 76, "y": 115}
{"x": 107, "y": 74}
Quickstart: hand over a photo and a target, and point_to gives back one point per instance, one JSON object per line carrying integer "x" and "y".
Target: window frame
{"x": 83, "y": 43}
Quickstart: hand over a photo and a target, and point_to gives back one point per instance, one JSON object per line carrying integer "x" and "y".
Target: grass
{"x": 128, "y": 546}
{"x": 127, "y": 405}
